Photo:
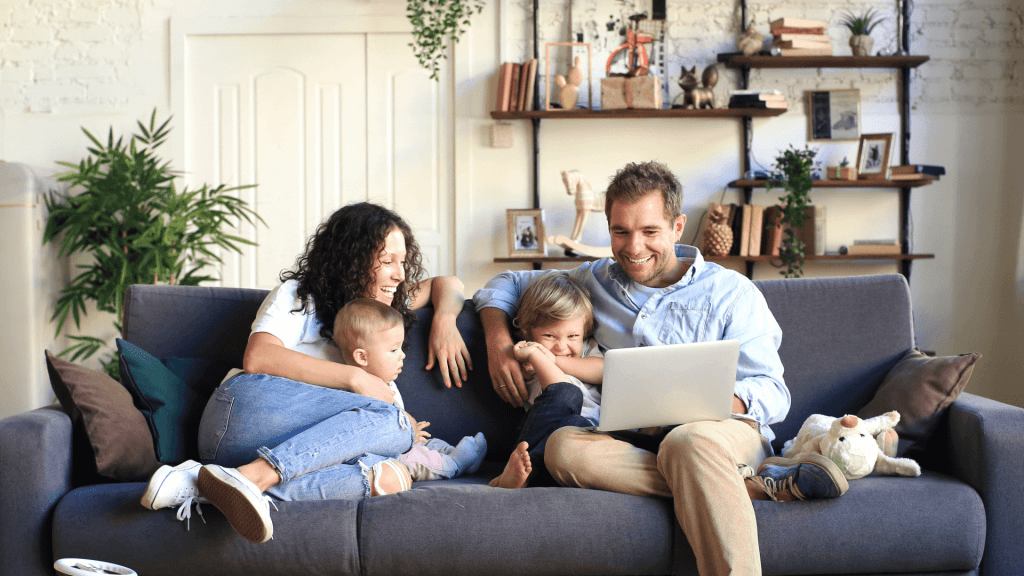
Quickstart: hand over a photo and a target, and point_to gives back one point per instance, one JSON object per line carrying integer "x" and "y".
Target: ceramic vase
{"x": 861, "y": 44}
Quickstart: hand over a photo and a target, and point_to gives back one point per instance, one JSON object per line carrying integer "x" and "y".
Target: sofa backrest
{"x": 840, "y": 336}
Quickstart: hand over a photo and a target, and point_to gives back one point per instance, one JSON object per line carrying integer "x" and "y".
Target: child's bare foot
{"x": 517, "y": 471}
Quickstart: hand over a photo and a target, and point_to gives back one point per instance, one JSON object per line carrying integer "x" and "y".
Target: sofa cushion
{"x": 121, "y": 445}
{"x": 171, "y": 393}
{"x": 920, "y": 388}
{"x": 882, "y": 525}
{"x": 106, "y": 521}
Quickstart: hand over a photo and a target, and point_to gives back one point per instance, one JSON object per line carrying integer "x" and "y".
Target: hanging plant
{"x": 136, "y": 227}
{"x": 434, "y": 23}
{"x": 793, "y": 174}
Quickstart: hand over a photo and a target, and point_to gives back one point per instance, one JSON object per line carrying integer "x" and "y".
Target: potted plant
{"x": 136, "y": 227}
{"x": 434, "y": 23}
{"x": 793, "y": 174}
{"x": 860, "y": 27}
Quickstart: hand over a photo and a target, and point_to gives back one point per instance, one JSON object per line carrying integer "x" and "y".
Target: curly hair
{"x": 636, "y": 180}
{"x": 338, "y": 263}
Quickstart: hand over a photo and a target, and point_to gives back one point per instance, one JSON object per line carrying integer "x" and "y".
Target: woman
{"x": 316, "y": 427}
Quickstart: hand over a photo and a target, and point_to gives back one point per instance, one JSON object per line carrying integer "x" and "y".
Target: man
{"x": 655, "y": 292}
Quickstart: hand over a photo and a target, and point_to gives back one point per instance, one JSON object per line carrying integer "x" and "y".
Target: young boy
{"x": 370, "y": 335}
{"x": 564, "y": 363}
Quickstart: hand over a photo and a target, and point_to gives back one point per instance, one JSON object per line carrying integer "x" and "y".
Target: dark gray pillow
{"x": 920, "y": 388}
{"x": 117, "y": 432}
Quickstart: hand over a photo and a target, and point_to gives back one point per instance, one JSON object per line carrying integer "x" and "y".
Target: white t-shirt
{"x": 591, "y": 393}
{"x": 299, "y": 331}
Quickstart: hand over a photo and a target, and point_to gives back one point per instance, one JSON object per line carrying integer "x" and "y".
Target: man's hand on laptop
{"x": 738, "y": 407}
{"x": 506, "y": 375}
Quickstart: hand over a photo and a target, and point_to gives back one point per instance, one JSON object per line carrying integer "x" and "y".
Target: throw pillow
{"x": 920, "y": 388}
{"x": 98, "y": 405}
{"x": 171, "y": 393}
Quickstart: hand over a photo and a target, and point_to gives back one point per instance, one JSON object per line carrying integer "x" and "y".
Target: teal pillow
{"x": 171, "y": 393}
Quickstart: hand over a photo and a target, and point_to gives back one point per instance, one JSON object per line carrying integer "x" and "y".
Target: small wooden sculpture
{"x": 717, "y": 235}
{"x": 751, "y": 41}
{"x": 569, "y": 86}
{"x": 586, "y": 200}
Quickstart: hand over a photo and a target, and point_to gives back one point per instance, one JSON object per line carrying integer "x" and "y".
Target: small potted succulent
{"x": 860, "y": 29}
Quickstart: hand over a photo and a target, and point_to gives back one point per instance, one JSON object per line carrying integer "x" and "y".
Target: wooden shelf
{"x": 842, "y": 183}
{"x": 809, "y": 258}
{"x": 583, "y": 113}
{"x": 734, "y": 61}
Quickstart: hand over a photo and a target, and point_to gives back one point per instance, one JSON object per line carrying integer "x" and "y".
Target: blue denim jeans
{"x": 320, "y": 440}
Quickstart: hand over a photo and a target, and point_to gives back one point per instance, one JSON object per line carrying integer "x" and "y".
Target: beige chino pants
{"x": 701, "y": 465}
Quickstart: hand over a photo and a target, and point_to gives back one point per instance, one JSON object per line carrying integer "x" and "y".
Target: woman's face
{"x": 390, "y": 270}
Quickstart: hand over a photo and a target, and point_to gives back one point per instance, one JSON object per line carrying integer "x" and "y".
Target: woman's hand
{"x": 449, "y": 351}
{"x": 367, "y": 384}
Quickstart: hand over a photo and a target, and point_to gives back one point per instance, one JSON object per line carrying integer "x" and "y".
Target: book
{"x": 801, "y": 44}
{"x": 798, "y": 30}
{"x": 531, "y": 79}
{"x": 755, "y": 97}
{"x": 504, "y": 83}
{"x": 873, "y": 249}
{"x": 819, "y": 230}
{"x": 919, "y": 169}
{"x": 735, "y": 219}
{"x": 805, "y": 51}
{"x": 789, "y": 36}
{"x": 762, "y": 104}
{"x": 772, "y": 235}
{"x": 523, "y": 75}
{"x": 748, "y": 213}
{"x": 895, "y": 176}
{"x": 756, "y": 230}
{"x": 755, "y": 93}
{"x": 513, "y": 91}
{"x": 796, "y": 23}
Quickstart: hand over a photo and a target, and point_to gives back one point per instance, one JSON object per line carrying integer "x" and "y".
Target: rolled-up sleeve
{"x": 503, "y": 291}
{"x": 759, "y": 381}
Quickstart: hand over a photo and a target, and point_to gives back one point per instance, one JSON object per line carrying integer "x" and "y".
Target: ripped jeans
{"x": 320, "y": 440}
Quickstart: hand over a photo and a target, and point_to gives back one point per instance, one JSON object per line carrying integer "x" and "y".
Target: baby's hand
{"x": 420, "y": 435}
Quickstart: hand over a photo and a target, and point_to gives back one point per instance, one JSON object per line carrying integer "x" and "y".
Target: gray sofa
{"x": 964, "y": 515}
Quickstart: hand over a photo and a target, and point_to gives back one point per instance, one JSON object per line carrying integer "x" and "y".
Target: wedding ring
{"x": 503, "y": 386}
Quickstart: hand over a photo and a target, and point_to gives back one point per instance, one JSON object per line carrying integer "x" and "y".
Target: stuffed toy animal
{"x": 858, "y": 447}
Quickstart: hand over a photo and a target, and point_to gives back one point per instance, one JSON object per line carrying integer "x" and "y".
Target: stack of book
{"x": 756, "y": 230}
{"x": 916, "y": 172}
{"x": 873, "y": 248}
{"x": 516, "y": 86}
{"x": 800, "y": 37}
{"x": 757, "y": 99}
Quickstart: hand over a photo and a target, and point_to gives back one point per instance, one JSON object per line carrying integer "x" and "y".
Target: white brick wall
{"x": 67, "y": 56}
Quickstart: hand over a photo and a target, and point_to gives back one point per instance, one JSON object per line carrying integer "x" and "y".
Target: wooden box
{"x": 841, "y": 173}
{"x": 613, "y": 94}
{"x": 643, "y": 92}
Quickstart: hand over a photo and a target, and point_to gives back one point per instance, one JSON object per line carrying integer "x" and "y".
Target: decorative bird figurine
{"x": 751, "y": 41}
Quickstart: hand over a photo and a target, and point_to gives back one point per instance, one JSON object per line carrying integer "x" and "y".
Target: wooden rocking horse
{"x": 586, "y": 202}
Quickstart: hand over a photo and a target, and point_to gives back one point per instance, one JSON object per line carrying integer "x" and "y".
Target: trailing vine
{"x": 434, "y": 23}
{"x": 793, "y": 174}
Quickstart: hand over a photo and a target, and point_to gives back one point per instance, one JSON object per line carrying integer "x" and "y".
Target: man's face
{"x": 384, "y": 355}
{"x": 643, "y": 241}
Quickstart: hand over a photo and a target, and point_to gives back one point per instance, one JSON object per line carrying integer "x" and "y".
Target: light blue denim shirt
{"x": 708, "y": 303}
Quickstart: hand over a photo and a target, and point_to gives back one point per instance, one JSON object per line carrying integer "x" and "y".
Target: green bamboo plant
{"x": 793, "y": 174}
{"x": 136, "y": 226}
{"x": 434, "y": 23}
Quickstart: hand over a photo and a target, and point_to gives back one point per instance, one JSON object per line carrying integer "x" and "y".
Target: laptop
{"x": 668, "y": 385}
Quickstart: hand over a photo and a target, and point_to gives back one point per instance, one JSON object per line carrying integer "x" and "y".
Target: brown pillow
{"x": 120, "y": 439}
{"x": 920, "y": 388}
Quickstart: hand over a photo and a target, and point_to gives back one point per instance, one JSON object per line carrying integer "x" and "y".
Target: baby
{"x": 370, "y": 335}
{"x": 562, "y": 361}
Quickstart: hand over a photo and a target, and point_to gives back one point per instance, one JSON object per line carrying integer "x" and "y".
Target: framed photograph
{"x": 526, "y": 232}
{"x": 873, "y": 156}
{"x": 835, "y": 114}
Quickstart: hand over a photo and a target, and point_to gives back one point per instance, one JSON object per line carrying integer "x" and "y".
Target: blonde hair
{"x": 358, "y": 320}
{"x": 636, "y": 180}
{"x": 554, "y": 297}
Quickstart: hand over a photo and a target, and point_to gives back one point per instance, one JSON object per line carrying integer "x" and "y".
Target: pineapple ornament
{"x": 718, "y": 234}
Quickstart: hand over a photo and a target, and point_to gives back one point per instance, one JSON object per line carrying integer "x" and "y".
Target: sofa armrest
{"x": 986, "y": 451}
{"x": 35, "y": 473}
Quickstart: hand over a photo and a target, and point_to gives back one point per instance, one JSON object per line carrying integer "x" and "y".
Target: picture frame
{"x": 525, "y": 231}
{"x": 834, "y": 114}
{"x": 547, "y": 73}
{"x": 873, "y": 156}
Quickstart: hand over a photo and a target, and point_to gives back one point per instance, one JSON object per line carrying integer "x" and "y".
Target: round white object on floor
{"x": 81, "y": 567}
